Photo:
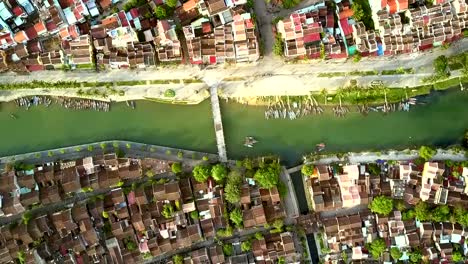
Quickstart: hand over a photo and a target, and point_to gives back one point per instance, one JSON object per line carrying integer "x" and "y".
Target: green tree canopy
{"x": 358, "y": 11}
{"x": 168, "y": 210}
{"x": 381, "y": 205}
{"x": 233, "y": 187}
{"x": 178, "y": 259}
{"x": 426, "y": 152}
{"x": 457, "y": 256}
{"x": 219, "y": 172}
{"x": 278, "y": 47}
{"x": 258, "y": 236}
{"x": 194, "y": 215}
{"x": 201, "y": 172}
{"x": 400, "y": 205}
{"x": 461, "y": 215}
{"x": 278, "y": 224}
{"x": 396, "y": 253}
{"x": 415, "y": 256}
{"x": 422, "y": 211}
{"x": 228, "y": 249}
{"x": 307, "y": 169}
{"x": 236, "y": 217}
{"x": 176, "y": 167}
{"x": 171, "y": 3}
{"x": 246, "y": 246}
{"x": 377, "y": 247}
{"x": 440, "y": 65}
{"x": 268, "y": 175}
{"x": 160, "y": 13}
{"x": 441, "y": 213}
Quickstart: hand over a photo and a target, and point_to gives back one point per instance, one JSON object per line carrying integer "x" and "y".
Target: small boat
{"x": 128, "y": 104}
{"x": 133, "y": 104}
{"x": 320, "y": 146}
{"x": 249, "y": 142}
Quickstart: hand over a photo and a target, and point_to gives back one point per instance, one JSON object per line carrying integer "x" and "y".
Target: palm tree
{"x": 324, "y": 93}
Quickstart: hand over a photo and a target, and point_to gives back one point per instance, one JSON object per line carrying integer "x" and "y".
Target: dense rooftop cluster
{"x": 38, "y": 35}
{"x": 332, "y": 30}
{"x": 416, "y": 209}
{"x": 136, "y": 210}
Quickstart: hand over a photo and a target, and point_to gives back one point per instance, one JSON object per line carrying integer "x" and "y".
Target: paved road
{"x": 269, "y": 74}
{"x": 290, "y": 201}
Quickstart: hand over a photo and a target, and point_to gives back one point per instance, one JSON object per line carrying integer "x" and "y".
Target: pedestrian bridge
{"x": 218, "y": 123}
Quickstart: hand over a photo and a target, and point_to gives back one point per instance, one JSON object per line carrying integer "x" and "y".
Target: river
{"x": 440, "y": 122}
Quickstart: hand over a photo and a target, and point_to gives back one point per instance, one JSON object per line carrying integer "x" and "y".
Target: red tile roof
{"x": 123, "y": 19}
{"x": 383, "y": 3}
{"x": 206, "y": 27}
{"x": 311, "y": 37}
{"x": 6, "y": 39}
{"x": 35, "y": 67}
{"x": 105, "y": 4}
{"x": 134, "y": 13}
{"x": 347, "y": 29}
{"x": 73, "y": 31}
{"x": 31, "y": 32}
{"x": 392, "y": 6}
{"x": 51, "y": 26}
{"x": 18, "y": 11}
{"x": 404, "y": 4}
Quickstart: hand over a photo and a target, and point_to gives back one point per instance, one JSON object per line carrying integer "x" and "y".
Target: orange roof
{"x": 346, "y": 13}
{"x": 20, "y": 37}
{"x": 40, "y": 27}
{"x": 189, "y": 5}
{"x": 64, "y": 32}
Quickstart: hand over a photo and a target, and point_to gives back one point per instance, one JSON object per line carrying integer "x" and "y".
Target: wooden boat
{"x": 249, "y": 142}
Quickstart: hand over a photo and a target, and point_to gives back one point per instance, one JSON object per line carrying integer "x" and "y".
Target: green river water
{"x": 441, "y": 121}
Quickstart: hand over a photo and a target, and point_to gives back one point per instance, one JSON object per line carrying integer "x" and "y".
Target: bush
{"x": 233, "y": 187}
{"x": 307, "y": 169}
{"x": 236, "y": 217}
{"x": 176, "y": 167}
{"x": 290, "y": 3}
{"x": 426, "y": 153}
{"x": 228, "y": 249}
{"x": 194, "y": 215}
{"x": 246, "y": 246}
{"x": 278, "y": 47}
{"x": 169, "y": 93}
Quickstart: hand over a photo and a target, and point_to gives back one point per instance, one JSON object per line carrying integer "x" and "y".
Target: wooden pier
{"x": 218, "y": 123}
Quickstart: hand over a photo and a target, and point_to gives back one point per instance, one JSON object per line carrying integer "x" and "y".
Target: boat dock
{"x": 218, "y": 124}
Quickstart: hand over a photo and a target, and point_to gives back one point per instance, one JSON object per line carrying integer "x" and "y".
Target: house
{"x": 63, "y": 222}
{"x": 167, "y": 43}
{"x": 216, "y": 255}
{"x": 81, "y": 50}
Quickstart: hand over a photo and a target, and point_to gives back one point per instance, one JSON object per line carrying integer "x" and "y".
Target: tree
{"x": 168, "y": 210}
{"x": 219, "y": 172}
{"x": 21, "y": 257}
{"x": 233, "y": 187}
{"x": 176, "y": 167}
{"x": 427, "y": 152}
{"x": 408, "y": 215}
{"x": 374, "y": 169}
{"x": 358, "y": 11}
{"x": 228, "y": 249}
{"x": 457, "y": 256}
{"x": 440, "y": 65}
{"x": 441, "y": 213}
{"x": 396, "y": 253}
{"x": 194, "y": 215}
{"x": 258, "y": 236}
{"x": 246, "y": 246}
{"x": 201, "y": 172}
{"x": 422, "y": 212}
{"x": 160, "y": 13}
{"x": 26, "y": 217}
{"x": 171, "y": 3}
{"x": 307, "y": 169}
{"x": 105, "y": 214}
{"x": 415, "y": 256}
{"x": 236, "y": 217}
{"x": 130, "y": 244}
{"x": 400, "y": 205}
{"x": 268, "y": 176}
{"x": 278, "y": 47}
{"x": 178, "y": 259}
{"x": 461, "y": 215}
{"x": 377, "y": 247}
{"x": 381, "y": 205}
{"x": 278, "y": 224}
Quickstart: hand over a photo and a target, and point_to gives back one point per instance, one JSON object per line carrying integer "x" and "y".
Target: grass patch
{"x": 398, "y": 71}
{"x": 130, "y": 83}
{"x": 192, "y": 81}
{"x": 86, "y": 66}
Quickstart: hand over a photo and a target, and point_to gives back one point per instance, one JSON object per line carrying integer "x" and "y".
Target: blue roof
{"x": 380, "y": 51}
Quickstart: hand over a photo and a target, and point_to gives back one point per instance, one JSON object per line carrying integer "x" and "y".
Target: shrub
{"x": 381, "y": 205}
{"x": 176, "y": 167}
{"x": 169, "y": 93}
{"x": 427, "y": 152}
